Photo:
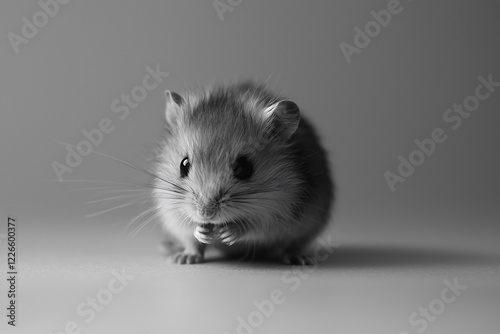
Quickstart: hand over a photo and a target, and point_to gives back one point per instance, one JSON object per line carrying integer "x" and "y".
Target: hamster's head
{"x": 225, "y": 157}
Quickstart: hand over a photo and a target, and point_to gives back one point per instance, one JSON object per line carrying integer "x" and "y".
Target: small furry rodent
{"x": 239, "y": 169}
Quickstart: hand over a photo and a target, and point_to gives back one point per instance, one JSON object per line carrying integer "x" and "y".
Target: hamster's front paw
{"x": 229, "y": 234}
{"x": 186, "y": 258}
{"x": 204, "y": 233}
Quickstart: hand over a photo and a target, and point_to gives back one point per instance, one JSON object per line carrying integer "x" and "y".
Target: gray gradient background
{"x": 367, "y": 112}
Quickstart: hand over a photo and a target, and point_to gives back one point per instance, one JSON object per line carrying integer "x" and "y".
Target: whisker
{"x": 132, "y": 185}
{"x": 129, "y": 165}
{"x": 145, "y": 223}
{"x": 145, "y": 213}
{"x": 111, "y": 209}
{"x": 94, "y": 181}
{"x": 109, "y": 189}
{"x": 112, "y": 198}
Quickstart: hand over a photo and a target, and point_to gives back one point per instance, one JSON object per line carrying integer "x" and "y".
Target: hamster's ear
{"x": 173, "y": 107}
{"x": 285, "y": 117}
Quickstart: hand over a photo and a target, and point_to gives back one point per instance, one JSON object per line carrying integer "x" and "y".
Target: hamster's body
{"x": 240, "y": 169}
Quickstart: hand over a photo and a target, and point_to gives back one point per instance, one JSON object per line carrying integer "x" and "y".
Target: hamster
{"x": 241, "y": 170}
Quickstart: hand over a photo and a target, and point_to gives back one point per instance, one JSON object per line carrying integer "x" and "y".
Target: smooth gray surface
{"x": 368, "y": 112}
{"x": 359, "y": 288}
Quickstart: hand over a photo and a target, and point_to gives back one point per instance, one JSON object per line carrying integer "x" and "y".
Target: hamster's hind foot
{"x": 298, "y": 259}
{"x": 186, "y": 258}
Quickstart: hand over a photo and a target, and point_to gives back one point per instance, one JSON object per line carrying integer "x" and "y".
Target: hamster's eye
{"x": 243, "y": 168}
{"x": 185, "y": 166}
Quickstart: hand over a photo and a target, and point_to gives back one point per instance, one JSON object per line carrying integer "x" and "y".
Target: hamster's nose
{"x": 208, "y": 206}
{"x": 207, "y": 211}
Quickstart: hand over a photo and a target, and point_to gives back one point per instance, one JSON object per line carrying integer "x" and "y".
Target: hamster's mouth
{"x": 218, "y": 219}
{"x": 214, "y": 223}
{"x": 220, "y": 223}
